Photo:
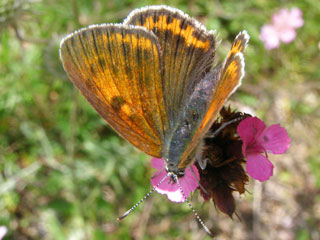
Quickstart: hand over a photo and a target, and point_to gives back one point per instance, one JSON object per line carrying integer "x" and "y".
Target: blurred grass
{"x": 66, "y": 175}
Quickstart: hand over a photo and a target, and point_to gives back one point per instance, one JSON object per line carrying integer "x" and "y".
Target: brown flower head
{"x": 224, "y": 172}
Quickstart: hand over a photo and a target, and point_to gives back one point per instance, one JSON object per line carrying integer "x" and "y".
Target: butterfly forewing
{"x": 187, "y": 49}
{"x": 230, "y": 78}
{"x": 118, "y": 69}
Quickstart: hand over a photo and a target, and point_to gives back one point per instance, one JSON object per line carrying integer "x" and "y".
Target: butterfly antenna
{"x": 206, "y": 229}
{"x": 216, "y": 132}
{"x": 197, "y": 180}
{"x": 141, "y": 200}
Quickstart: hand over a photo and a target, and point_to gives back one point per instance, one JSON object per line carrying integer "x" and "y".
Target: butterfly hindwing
{"x": 187, "y": 49}
{"x": 117, "y": 68}
{"x": 229, "y": 80}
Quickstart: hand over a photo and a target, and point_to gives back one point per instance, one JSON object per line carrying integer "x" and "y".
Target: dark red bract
{"x": 224, "y": 172}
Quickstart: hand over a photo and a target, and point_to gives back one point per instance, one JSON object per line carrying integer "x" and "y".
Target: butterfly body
{"x": 191, "y": 117}
{"x": 153, "y": 80}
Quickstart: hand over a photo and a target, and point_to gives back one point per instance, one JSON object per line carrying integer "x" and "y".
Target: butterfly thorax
{"x": 177, "y": 145}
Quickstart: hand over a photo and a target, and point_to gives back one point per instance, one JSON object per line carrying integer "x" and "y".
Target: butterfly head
{"x": 172, "y": 169}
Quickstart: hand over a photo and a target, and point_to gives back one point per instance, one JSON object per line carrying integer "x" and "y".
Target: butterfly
{"x": 154, "y": 80}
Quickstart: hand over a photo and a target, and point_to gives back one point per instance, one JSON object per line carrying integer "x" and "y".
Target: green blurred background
{"x": 64, "y": 174}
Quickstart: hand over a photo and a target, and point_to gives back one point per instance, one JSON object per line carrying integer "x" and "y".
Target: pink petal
{"x": 259, "y": 167}
{"x": 175, "y": 196}
{"x": 275, "y": 139}
{"x": 269, "y": 36}
{"x": 296, "y": 19}
{"x": 287, "y": 35}
{"x": 296, "y": 12}
{"x": 188, "y": 183}
{"x": 281, "y": 17}
{"x": 168, "y": 187}
{"x": 157, "y": 163}
{"x": 249, "y": 129}
{"x": 157, "y": 177}
{"x": 3, "y": 231}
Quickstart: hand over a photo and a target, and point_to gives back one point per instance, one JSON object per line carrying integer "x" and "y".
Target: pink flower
{"x": 283, "y": 26}
{"x": 3, "y": 231}
{"x": 256, "y": 140}
{"x": 188, "y": 182}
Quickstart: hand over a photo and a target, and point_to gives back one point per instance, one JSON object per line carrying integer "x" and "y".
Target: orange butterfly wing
{"x": 230, "y": 79}
{"x": 187, "y": 52}
{"x": 117, "y": 68}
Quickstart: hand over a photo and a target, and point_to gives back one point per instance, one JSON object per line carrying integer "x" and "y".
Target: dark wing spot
{"x": 117, "y": 102}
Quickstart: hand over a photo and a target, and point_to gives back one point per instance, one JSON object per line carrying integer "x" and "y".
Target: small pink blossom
{"x": 257, "y": 140}
{"x": 188, "y": 182}
{"x": 283, "y": 26}
{"x": 3, "y": 231}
